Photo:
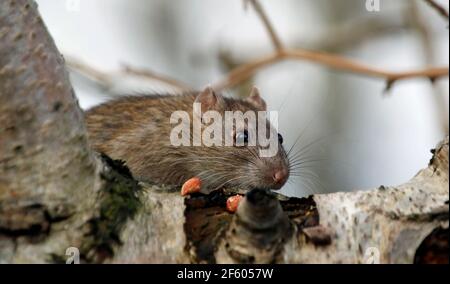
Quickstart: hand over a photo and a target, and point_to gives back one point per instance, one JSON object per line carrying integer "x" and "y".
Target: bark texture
{"x": 43, "y": 147}
{"x": 56, "y": 193}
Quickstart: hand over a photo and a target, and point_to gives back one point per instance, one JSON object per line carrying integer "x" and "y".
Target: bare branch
{"x": 243, "y": 72}
{"x": 267, "y": 24}
{"x": 88, "y": 71}
{"x": 427, "y": 41}
{"x": 107, "y": 79}
{"x": 441, "y": 10}
{"x": 133, "y": 71}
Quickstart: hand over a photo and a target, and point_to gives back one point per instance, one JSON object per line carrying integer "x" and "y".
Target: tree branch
{"x": 108, "y": 79}
{"x": 245, "y": 71}
{"x": 427, "y": 41}
{"x": 395, "y": 224}
{"x": 144, "y": 73}
{"x": 267, "y": 24}
{"x": 43, "y": 146}
{"x": 441, "y": 10}
{"x": 53, "y": 188}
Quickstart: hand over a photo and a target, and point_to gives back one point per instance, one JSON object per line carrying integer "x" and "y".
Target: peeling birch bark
{"x": 388, "y": 222}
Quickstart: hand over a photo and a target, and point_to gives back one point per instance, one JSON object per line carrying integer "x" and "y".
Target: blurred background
{"x": 354, "y": 135}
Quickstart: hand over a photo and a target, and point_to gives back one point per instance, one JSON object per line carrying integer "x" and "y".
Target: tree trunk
{"x": 56, "y": 193}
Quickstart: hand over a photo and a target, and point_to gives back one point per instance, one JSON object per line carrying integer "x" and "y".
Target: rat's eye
{"x": 280, "y": 139}
{"x": 242, "y": 138}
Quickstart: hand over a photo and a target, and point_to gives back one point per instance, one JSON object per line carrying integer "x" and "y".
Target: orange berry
{"x": 191, "y": 186}
{"x": 233, "y": 203}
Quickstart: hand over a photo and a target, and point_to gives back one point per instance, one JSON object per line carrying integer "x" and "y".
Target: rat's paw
{"x": 233, "y": 203}
{"x": 192, "y": 185}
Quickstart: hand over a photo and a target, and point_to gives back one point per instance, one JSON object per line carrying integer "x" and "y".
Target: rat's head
{"x": 249, "y": 153}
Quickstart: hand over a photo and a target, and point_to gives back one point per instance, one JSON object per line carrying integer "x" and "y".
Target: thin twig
{"x": 107, "y": 79}
{"x": 245, "y": 71}
{"x": 441, "y": 10}
{"x": 133, "y": 71}
{"x": 427, "y": 41}
{"x": 88, "y": 71}
{"x": 340, "y": 37}
{"x": 267, "y": 24}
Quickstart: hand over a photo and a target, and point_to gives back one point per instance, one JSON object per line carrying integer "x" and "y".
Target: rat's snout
{"x": 280, "y": 177}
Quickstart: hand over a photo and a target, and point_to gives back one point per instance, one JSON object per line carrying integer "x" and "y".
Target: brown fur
{"x": 137, "y": 131}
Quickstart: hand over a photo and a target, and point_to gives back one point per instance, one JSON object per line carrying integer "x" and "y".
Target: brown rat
{"x": 137, "y": 130}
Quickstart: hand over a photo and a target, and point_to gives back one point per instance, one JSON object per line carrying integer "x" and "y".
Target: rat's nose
{"x": 280, "y": 177}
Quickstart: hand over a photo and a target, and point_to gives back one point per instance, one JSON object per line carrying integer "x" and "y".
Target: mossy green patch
{"x": 119, "y": 202}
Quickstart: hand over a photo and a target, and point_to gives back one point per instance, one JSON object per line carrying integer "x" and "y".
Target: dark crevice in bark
{"x": 33, "y": 222}
{"x": 434, "y": 248}
{"x": 33, "y": 232}
{"x": 207, "y": 220}
{"x": 302, "y": 211}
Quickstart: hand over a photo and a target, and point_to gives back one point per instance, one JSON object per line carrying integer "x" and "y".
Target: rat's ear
{"x": 210, "y": 100}
{"x": 256, "y": 100}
